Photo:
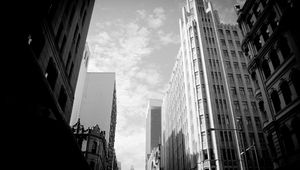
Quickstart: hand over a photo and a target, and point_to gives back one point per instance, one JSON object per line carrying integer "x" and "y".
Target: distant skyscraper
{"x": 80, "y": 84}
{"x": 153, "y": 126}
{"x": 271, "y": 43}
{"x": 209, "y": 112}
{"x": 99, "y": 106}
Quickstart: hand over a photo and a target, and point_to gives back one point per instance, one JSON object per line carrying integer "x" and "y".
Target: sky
{"x": 139, "y": 41}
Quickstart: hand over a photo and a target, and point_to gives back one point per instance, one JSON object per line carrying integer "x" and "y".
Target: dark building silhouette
{"x": 93, "y": 145}
{"x": 47, "y": 40}
{"x": 271, "y": 43}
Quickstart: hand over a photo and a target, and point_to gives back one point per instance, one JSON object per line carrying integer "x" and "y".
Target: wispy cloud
{"x": 168, "y": 38}
{"x": 121, "y": 47}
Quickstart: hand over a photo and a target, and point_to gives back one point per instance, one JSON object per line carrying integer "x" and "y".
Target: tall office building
{"x": 271, "y": 43}
{"x": 80, "y": 84}
{"x": 99, "y": 106}
{"x": 210, "y": 118}
{"x": 153, "y": 126}
{"x": 48, "y": 42}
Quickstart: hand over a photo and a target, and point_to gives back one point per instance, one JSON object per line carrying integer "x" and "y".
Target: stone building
{"x": 271, "y": 43}
{"x": 93, "y": 145}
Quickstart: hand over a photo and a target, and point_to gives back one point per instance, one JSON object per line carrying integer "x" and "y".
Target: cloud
{"x": 168, "y": 38}
{"x": 121, "y": 47}
{"x": 155, "y": 19}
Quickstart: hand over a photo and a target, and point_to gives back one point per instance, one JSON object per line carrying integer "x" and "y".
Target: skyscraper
{"x": 48, "y": 47}
{"x": 271, "y": 43}
{"x": 153, "y": 126}
{"x": 210, "y": 118}
{"x": 99, "y": 106}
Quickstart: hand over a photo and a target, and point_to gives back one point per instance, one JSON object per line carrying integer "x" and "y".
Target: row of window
{"x": 286, "y": 92}
{"x": 230, "y": 42}
{"x": 228, "y": 34}
{"x": 239, "y": 77}
{"x": 242, "y": 92}
{"x": 245, "y": 107}
{"x": 233, "y": 54}
{"x": 276, "y": 57}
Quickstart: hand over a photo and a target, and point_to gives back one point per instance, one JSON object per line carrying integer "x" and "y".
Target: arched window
{"x": 262, "y": 109}
{"x": 296, "y": 127}
{"x": 287, "y": 138}
{"x": 286, "y": 92}
{"x": 274, "y": 58}
{"x": 266, "y": 68}
{"x": 275, "y": 100}
{"x": 284, "y": 48}
{"x": 253, "y": 76}
{"x": 94, "y": 147}
{"x": 296, "y": 81}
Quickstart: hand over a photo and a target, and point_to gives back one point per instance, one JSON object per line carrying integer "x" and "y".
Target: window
{"x": 83, "y": 19}
{"x": 230, "y": 43}
{"x": 221, "y": 32}
{"x": 244, "y": 67}
{"x": 238, "y": 43}
{"x": 242, "y": 91}
{"x": 71, "y": 71}
{"x": 228, "y": 65}
{"x": 94, "y": 147}
{"x": 77, "y": 43}
{"x": 287, "y": 139}
{"x": 284, "y": 47}
{"x": 62, "y": 98}
{"x": 236, "y": 66}
{"x": 245, "y": 106}
{"x": 274, "y": 59}
{"x": 257, "y": 123}
{"x": 225, "y": 52}
{"x": 257, "y": 43}
{"x": 233, "y": 54}
{"x": 230, "y": 77}
{"x": 295, "y": 80}
{"x": 247, "y": 79}
{"x": 241, "y": 55}
{"x": 223, "y": 42}
{"x": 249, "y": 123}
{"x": 250, "y": 91}
{"x": 239, "y": 77}
{"x": 275, "y": 100}
{"x": 233, "y": 91}
{"x": 266, "y": 69}
{"x": 51, "y": 73}
{"x": 254, "y": 108}
{"x": 286, "y": 92}
{"x": 63, "y": 44}
{"x": 235, "y": 33}
{"x": 237, "y": 106}
{"x": 228, "y": 34}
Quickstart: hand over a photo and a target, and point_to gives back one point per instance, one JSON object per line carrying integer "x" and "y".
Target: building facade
{"x": 271, "y": 43}
{"x": 99, "y": 106}
{"x": 210, "y": 117}
{"x": 93, "y": 145}
{"x": 153, "y": 126}
{"x": 80, "y": 84}
{"x": 46, "y": 55}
